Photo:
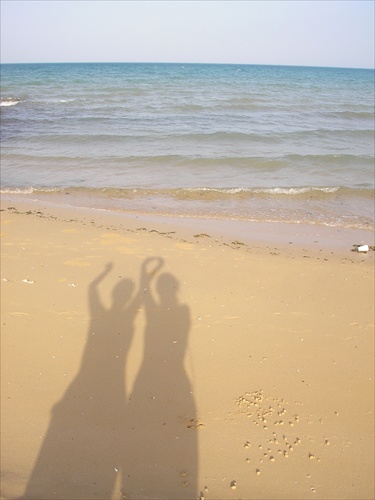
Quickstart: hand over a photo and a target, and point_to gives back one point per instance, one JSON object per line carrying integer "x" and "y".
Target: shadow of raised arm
{"x": 94, "y": 299}
{"x": 149, "y": 269}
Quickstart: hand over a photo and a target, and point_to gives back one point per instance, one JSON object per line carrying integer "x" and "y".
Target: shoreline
{"x": 312, "y": 237}
{"x": 340, "y": 213}
{"x": 273, "y": 348}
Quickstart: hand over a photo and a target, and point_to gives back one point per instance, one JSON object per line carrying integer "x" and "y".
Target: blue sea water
{"x": 243, "y": 142}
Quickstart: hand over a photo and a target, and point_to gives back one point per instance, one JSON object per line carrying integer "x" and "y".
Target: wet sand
{"x": 158, "y": 358}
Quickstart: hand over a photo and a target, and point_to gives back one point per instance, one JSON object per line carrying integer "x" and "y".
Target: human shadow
{"x": 97, "y": 434}
{"x": 161, "y": 458}
{"x": 79, "y": 454}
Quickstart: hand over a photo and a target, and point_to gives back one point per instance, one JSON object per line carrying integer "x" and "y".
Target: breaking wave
{"x": 9, "y": 101}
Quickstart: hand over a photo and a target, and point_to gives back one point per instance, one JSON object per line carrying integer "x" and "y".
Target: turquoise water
{"x": 267, "y": 143}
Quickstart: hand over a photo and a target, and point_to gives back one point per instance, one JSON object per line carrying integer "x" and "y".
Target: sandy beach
{"x": 146, "y": 358}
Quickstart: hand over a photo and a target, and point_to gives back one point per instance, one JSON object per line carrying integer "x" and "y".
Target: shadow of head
{"x": 167, "y": 287}
{"x": 121, "y": 293}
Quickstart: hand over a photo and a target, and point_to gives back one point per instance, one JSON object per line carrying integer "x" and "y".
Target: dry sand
{"x": 245, "y": 372}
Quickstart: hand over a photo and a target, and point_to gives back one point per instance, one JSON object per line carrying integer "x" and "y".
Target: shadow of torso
{"x": 79, "y": 457}
{"x": 162, "y": 456}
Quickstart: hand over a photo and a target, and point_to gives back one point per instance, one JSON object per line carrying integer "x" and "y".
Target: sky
{"x": 338, "y": 33}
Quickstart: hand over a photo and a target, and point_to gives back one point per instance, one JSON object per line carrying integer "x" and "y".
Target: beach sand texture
{"x": 217, "y": 369}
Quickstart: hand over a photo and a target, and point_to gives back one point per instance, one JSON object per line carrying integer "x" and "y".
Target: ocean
{"x": 214, "y": 141}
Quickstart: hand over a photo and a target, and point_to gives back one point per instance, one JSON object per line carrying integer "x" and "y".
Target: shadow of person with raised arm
{"x": 79, "y": 457}
{"x": 161, "y": 458}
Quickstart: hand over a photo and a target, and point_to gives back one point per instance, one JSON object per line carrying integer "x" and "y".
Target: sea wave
{"x": 191, "y": 159}
{"x": 290, "y": 191}
{"x": 9, "y": 101}
{"x": 293, "y": 192}
{"x": 273, "y": 190}
{"x": 323, "y": 205}
{"x": 361, "y": 115}
{"x": 28, "y": 190}
{"x": 297, "y": 191}
{"x": 200, "y": 192}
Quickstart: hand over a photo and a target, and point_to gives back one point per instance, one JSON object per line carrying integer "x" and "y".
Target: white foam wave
{"x": 274, "y": 190}
{"x": 295, "y": 190}
{"x": 17, "y": 190}
{"x": 9, "y": 102}
{"x": 220, "y": 190}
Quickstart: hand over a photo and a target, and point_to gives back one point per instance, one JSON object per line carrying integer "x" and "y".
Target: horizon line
{"x": 193, "y": 63}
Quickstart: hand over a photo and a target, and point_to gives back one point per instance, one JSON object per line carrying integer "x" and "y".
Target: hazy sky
{"x": 311, "y": 33}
